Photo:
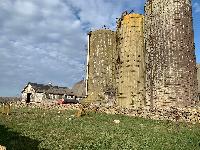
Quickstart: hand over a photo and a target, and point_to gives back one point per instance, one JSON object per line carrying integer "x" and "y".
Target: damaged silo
{"x": 100, "y": 70}
{"x": 170, "y": 57}
{"x": 130, "y": 61}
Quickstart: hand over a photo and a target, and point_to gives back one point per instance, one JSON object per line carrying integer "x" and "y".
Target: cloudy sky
{"x": 45, "y": 40}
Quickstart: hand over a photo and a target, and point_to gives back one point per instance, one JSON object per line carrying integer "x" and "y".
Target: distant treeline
{"x": 9, "y": 99}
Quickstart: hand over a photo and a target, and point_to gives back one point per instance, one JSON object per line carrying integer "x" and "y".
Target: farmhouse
{"x": 34, "y": 92}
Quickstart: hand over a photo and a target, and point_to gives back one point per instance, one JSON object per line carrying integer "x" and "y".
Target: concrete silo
{"x": 100, "y": 78}
{"x": 171, "y": 75}
{"x": 130, "y": 61}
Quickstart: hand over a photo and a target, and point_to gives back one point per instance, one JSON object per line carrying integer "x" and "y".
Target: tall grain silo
{"x": 171, "y": 73}
{"x": 100, "y": 80}
{"x": 130, "y": 61}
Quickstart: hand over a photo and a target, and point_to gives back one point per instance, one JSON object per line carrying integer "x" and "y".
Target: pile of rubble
{"x": 191, "y": 115}
{"x": 173, "y": 114}
{"x": 2, "y": 147}
{"x": 43, "y": 105}
{"x": 48, "y": 105}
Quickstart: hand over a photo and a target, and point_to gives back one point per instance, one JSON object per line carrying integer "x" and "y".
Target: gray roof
{"x": 59, "y": 90}
{"x": 49, "y": 89}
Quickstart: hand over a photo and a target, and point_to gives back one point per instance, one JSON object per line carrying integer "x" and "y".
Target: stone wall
{"x": 35, "y": 97}
{"x": 189, "y": 115}
{"x": 171, "y": 78}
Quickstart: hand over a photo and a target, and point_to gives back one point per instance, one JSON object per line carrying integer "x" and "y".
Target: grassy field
{"x": 36, "y": 129}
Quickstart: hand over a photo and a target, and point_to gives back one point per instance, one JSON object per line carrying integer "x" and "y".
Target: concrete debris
{"x": 2, "y": 147}
{"x": 116, "y": 121}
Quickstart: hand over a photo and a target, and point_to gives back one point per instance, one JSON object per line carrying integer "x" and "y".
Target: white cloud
{"x": 103, "y": 12}
{"x": 25, "y": 7}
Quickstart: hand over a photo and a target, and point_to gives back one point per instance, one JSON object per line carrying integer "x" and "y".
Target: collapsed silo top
{"x": 133, "y": 16}
{"x": 100, "y": 31}
{"x": 127, "y": 18}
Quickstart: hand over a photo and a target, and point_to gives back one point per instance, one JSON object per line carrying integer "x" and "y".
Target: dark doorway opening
{"x": 28, "y": 99}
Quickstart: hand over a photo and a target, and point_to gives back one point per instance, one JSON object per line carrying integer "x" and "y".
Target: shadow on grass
{"x": 14, "y": 141}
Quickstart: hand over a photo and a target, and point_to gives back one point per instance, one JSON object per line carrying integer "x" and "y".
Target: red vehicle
{"x": 60, "y": 101}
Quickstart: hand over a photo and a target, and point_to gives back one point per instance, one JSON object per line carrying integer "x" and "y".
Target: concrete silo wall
{"x": 170, "y": 57}
{"x": 130, "y": 61}
{"x": 101, "y": 76}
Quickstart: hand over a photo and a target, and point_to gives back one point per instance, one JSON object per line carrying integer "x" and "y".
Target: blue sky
{"x": 45, "y": 40}
{"x": 196, "y": 24}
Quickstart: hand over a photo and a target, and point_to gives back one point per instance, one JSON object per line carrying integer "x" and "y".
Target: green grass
{"x": 31, "y": 129}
